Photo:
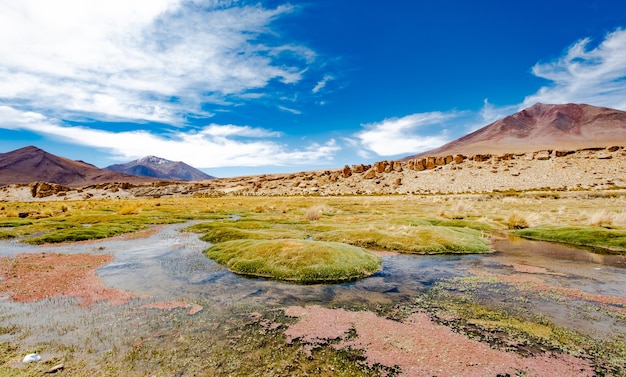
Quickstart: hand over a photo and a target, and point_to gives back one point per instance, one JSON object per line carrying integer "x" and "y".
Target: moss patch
{"x": 295, "y": 260}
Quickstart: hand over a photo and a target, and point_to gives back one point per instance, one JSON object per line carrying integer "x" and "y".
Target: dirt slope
{"x": 569, "y": 127}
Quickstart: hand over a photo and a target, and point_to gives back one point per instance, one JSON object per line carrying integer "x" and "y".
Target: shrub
{"x": 516, "y": 221}
{"x": 601, "y": 218}
{"x": 129, "y": 209}
{"x": 315, "y": 213}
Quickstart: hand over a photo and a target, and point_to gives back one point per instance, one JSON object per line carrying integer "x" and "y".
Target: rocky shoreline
{"x": 583, "y": 169}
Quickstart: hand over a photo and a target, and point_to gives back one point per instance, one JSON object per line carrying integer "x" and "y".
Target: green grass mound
{"x": 75, "y": 234}
{"x": 413, "y": 239}
{"x": 295, "y": 260}
{"x": 222, "y": 231}
{"x": 603, "y": 238}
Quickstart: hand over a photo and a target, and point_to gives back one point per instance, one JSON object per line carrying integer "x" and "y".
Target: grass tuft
{"x": 129, "y": 209}
{"x": 516, "y": 221}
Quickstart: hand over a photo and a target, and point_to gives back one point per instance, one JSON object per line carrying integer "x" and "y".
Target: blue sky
{"x": 252, "y": 87}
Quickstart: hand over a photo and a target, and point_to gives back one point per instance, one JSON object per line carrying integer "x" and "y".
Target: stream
{"x": 169, "y": 265}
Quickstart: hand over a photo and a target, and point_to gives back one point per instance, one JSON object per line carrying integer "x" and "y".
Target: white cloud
{"x": 596, "y": 76}
{"x": 404, "y": 135}
{"x": 155, "y": 60}
{"x": 211, "y": 147}
{"x": 322, "y": 83}
{"x": 290, "y": 110}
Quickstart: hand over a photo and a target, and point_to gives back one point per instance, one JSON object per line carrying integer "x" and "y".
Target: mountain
{"x": 157, "y": 167}
{"x": 542, "y": 126}
{"x": 31, "y": 164}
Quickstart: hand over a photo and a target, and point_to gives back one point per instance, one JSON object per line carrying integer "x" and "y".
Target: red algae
{"x": 36, "y": 276}
{"x": 420, "y": 347}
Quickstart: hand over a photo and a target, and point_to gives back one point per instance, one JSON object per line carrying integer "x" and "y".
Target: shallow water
{"x": 169, "y": 265}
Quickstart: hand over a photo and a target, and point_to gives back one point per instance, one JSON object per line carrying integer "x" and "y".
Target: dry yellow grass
{"x": 129, "y": 209}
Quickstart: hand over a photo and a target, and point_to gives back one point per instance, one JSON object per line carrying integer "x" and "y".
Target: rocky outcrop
{"x": 44, "y": 189}
{"x": 588, "y": 168}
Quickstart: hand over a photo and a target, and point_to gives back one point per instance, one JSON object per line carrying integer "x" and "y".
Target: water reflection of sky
{"x": 170, "y": 265}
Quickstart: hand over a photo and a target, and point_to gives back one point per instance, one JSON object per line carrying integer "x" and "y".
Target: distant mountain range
{"x": 541, "y": 126}
{"x": 31, "y": 164}
{"x": 157, "y": 167}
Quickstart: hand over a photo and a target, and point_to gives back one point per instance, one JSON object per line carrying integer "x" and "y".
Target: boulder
{"x": 420, "y": 164}
{"x": 542, "y": 155}
{"x": 481, "y": 157}
{"x": 430, "y": 162}
{"x": 397, "y": 166}
{"x": 458, "y": 158}
{"x": 358, "y": 169}
{"x": 380, "y": 166}
{"x": 371, "y": 173}
{"x": 563, "y": 153}
{"x": 347, "y": 172}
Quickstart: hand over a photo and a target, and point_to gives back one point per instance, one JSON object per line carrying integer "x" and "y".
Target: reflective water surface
{"x": 169, "y": 265}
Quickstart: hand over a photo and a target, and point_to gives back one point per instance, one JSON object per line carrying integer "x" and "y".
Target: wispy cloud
{"x": 322, "y": 83}
{"x": 158, "y": 60}
{"x": 584, "y": 74}
{"x": 289, "y": 110}
{"x": 406, "y": 134}
{"x": 213, "y": 146}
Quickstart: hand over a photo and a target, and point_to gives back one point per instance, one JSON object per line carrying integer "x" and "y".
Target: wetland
{"x": 455, "y": 292}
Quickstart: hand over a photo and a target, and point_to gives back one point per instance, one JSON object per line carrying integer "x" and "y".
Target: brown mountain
{"x": 541, "y": 126}
{"x": 156, "y": 167}
{"x": 31, "y": 164}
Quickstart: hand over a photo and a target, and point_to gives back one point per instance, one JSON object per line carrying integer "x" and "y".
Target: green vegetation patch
{"x": 471, "y": 224}
{"x": 413, "y": 239}
{"x": 221, "y": 231}
{"x": 295, "y": 260}
{"x": 83, "y": 233}
{"x": 608, "y": 239}
{"x": 14, "y": 223}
